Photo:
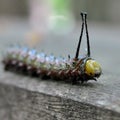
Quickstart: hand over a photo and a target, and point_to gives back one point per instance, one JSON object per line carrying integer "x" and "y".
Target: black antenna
{"x": 79, "y": 43}
{"x": 84, "y": 20}
{"x": 87, "y": 35}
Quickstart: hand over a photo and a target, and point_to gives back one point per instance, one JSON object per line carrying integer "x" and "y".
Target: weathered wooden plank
{"x": 22, "y": 104}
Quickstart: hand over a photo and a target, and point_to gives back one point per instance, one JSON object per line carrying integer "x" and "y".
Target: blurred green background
{"x": 99, "y": 10}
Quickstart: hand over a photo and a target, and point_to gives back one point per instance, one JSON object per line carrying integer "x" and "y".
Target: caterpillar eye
{"x": 92, "y": 68}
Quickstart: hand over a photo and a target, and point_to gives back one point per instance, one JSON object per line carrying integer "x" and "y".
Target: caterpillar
{"x": 78, "y": 69}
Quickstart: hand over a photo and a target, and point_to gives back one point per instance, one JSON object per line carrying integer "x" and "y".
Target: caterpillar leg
{"x": 6, "y": 67}
{"x": 10, "y": 65}
{"x": 32, "y": 71}
{"x": 74, "y": 80}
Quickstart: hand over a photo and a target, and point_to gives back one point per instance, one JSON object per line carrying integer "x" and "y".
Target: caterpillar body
{"x": 79, "y": 69}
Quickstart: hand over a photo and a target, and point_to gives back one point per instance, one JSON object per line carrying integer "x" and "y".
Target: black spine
{"x": 81, "y": 34}
{"x": 87, "y": 35}
{"x": 84, "y": 21}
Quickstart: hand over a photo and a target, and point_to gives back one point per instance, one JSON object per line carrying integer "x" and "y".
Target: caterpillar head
{"x": 92, "y": 68}
{"x": 88, "y": 66}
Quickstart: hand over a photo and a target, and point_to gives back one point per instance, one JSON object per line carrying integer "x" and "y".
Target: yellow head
{"x": 92, "y": 68}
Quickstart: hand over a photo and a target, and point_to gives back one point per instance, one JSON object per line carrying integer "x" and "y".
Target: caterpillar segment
{"x": 40, "y": 65}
